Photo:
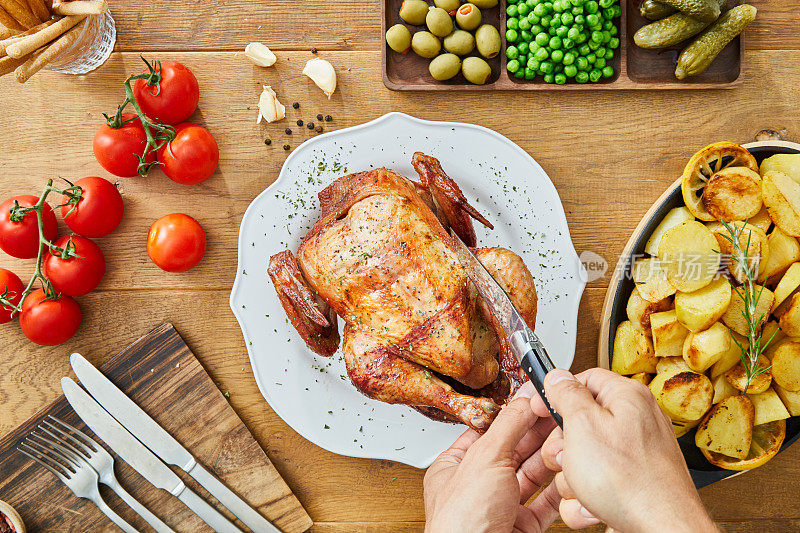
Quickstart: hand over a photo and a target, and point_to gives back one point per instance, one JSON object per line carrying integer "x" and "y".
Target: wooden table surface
{"x": 610, "y": 155}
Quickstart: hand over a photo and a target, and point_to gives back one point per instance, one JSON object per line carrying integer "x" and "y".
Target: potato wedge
{"x": 787, "y": 287}
{"x": 786, "y": 365}
{"x": 790, "y": 317}
{"x": 768, "y": 407}
{"x": 730, "y": 358}
{"x": 651, "y": 280}
{"x": 733, "y": 317}
{"x": 704, "y": 348}
{"x": 728, "y": 427}
{"x": 722, "y": 389}
{"x": 671, "y": 219}
{"x": 633, "y": 351}
{"x": 790, "y": 399}
{"x": 781, "y": 195}
{"x": 668, "y": 334}
{"x": 784, "y": 250}
{"x": 771, "y": 337}
{"x": 642, "y": 377}
{"x": 682, "y": 428}
{"x": 750, "y": 238}
{"x": 737, "y": 377}
{"x": 698, "y": 310}
{"x": 689, "y": 256}
{"x": 639, "y": 310}
{"x": 733, "y": 193}
{"x": 671, "y": 366}
{"x": 789, "y": 164}
{"x": 684, "y": 397}
{"x": 761, "y": 220}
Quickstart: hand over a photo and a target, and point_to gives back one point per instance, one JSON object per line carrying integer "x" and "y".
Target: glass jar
{"x": 91, "y": 49}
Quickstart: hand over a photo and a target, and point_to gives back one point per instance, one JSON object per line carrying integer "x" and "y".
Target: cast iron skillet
{"x": 620, "y": 288}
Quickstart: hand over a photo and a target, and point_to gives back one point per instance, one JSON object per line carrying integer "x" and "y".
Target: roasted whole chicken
{"x": 416, "y": 330}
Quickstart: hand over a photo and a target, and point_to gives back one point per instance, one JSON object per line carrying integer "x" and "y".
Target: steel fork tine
{"x": 58, "y": 449}
{"x": 63, "y": 441}
{"x": 77, "y": 434}
{"x": 46, "y": 453}
{"x": 45, "y": 461}
{"x": 69, "y": 440}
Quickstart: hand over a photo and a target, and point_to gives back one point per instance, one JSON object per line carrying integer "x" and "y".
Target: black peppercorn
{"x": 296, "y": 105}
{"x": 313, "y": 50}
{"x": 319, "y": 129}
{"x": 299, "y": 122}
{"x": 267, "y": 141}
{"x": 328, "y": 118}
{"x": 319, "y": 117}
{"x": 310, "y": 125}
{"x": 286, "y": 147}
{"x": 288, "y": 131}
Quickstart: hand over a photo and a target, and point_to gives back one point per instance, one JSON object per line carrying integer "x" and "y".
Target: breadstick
{"x": 81, "y": 7}
{"x": 22, "y": 14}
{"x": 8, "y": 21}
{"x": 6, "y": 32}
{"x": 40, "y": 58}
{"x": 7, "y": 64}
{"x": 28, "y": 44}
{"x": 14, "y": 38}
{"x": 39, "y": 9}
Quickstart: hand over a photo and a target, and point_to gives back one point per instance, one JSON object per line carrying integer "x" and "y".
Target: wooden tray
{"x": 164, "y": 378}
{"x": 635, "y": 68}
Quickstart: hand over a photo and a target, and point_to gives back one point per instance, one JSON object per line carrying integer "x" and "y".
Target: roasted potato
{"x": 790, "y": 318}
{"x": 704, "y": 348}
{"x": 684, "y": 397}
{"x": 783, "y": 251}
{"x": 698, "y": 310}
{"x": 768, "y": 407}
{"x": 790, "y": 399}
{"x": 728, "y": 427}
{"x": 789, "y": 164}
{"x": 671, "y": 219}
{"x": 751, "y": 239}
{"x": 689, "y": 256}
{"x": 671, "y": 366}
{"x": 639, "y": 310}
{"x": 787, "y": 287}
{"x": 651, "y": 280}
{"x": 733, "y": 317}
{"x": 668, "y": 334}
{"x": 781, "y": 195}
{"x": 682, "y": 428}
{"x": 733, "y": 193}
{"x": 761, "y": 220}
{"x": 730, "y": 358}
{"x": 722, "y": 389}
{"x": 642, "y": 377}
{"x": 771, "y": 338}
{"x": 737, "y": 377}
{"x": 786, "y": 365}
{"x": 633, "y": 351}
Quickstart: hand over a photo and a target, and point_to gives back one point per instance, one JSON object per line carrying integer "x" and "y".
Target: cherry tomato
{"x": 116, "y": 149}
{"x": 176, "y": 97}
{"x": 75, "y": 276}
{"x": 49, "y": 322}
{"x": 21, "y": 238}
{"x": 97, "y": 212}
{"x": 192, "y": 156}
{"x": 176, "y": 242}
{"x": 12, "y": 287}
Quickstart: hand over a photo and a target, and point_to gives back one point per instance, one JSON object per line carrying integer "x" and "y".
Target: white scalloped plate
{"x": 313, "y": 394}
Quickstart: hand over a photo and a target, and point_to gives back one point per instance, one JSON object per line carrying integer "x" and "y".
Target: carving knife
{"x": 526, "y": 346}
{"x": 161, "y": 443}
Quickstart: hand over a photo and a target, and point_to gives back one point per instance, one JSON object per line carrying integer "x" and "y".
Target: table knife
{"x": 526, "y": 346}
{"x": 161, "y": 443}
{"x": 139, "y": 457}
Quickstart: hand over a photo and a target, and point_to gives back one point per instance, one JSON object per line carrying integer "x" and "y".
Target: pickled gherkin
{"x": 703, "y": 50}
{"x": 705, "y": 10}
{"x": 654, "y": 10}
{"x": 670, "y": 31}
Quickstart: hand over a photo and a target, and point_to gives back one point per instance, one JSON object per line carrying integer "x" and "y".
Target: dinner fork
{"x": 73, "y": 471}
{"x": 80, "y": 443}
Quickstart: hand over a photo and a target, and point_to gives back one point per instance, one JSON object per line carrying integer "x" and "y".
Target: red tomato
{"x": 75, "y": 276}
{"x": 49, "y": 322}
{"x": 176, "y": 97}
{"x": 12, "y": 287}
{"x": 116, "y": 149}
{"x": 191, "y": 157}
{"x": 97, "y": 212}
{"x": 176, "y": 242}
{"x": 21, "y": 238}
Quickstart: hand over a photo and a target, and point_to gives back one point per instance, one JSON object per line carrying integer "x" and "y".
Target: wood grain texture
{"x": 163, "y": 377}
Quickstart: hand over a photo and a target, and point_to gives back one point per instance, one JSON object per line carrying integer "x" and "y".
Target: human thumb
{"x": 566, "y": 394}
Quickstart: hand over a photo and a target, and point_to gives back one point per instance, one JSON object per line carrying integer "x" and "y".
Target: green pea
{"x": 593, "y": 45}
{"x": 576, "y": 11}
{"x": 523, "y": 60}
{"x": 567, "y": 19}
{"x": 512, "y": 66}
{"x": 584, "y": 50}
{"x": 606, "y": 3}
{"x": 549, "y": 78}
{"x": 512, "y": 23}
{"x": 613, "y": 43}
{"x": 532, "y": 3}
{"x": 536, "y": 29}
{"x": 592, "y": 20}
{"x": 546, "y": 67}
{"x": 609, "y": 54}
{"x": 608, "y": 72}
{"x": 533, "y": 63}
{"x": 557, "y": 56}
{"x": 560, "y": 79}
{"x": 580, "y": 19}
{"x": 520, "y": 74}
{"x": 608, "y": 14}
{"x": 526, "y": 35}
{"x": 591, "y": 6}
{"x": 524, "y": 24}
{"x": 595, "y": 75}
{"x": 573, "y": 33}
{"x": 529, "y": 74}
{"x": 600, "y": 63}
{"x": 533, "y": 19}
{"x": 582, "y": 77}
{"x": 591, "y": 58}
{"x": 582, "y": 63}
{"x": 512, "y": 52}
{"x": 511, "y": 11}
{"x": 562, "y": 31}
{"x": 522, "y": 9}
{"x": 551, "y": 31}
{"x": 540, "y": 10}
{"x": 600, "y": 52}
{"x": 568, "y": 43}
{"x": 541, "y": 54}
{"x": 511, "y": 36}
{"x": 606, "y": 35}
{"x": 570, "y": 71}
{"x": 555, "y": 42}
{"x": 544, "y": 22}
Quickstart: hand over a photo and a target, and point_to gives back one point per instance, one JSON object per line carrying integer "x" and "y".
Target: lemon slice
{"x": 702, "y": 167}
{"x": 767, "y": 441}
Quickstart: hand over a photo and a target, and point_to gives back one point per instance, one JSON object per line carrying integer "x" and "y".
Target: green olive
{"x": 448, "y": 5}
{"x": 476, "y": 70}
{"x": 445, "y": 67}
{"x": 439, "y": 22}
{"x": 425, "y": 44}
{"x": 487, "y": 39}
{"x": 398, "y": 38}
{"x": 414, "y": 11}
{"x": 486, "y": 4}
{"x": 460, "y": 42}
{"x": 468, "y": 17}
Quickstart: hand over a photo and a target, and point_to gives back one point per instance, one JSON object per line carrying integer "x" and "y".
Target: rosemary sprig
{"x": 750, "y": 293}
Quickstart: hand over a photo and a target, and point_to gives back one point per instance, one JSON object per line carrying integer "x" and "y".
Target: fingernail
{"x": 558, "y": 458}
{"x": 558, "y": 375}
{"x": 585, "y": 512}
{"x": 526, "y": 391}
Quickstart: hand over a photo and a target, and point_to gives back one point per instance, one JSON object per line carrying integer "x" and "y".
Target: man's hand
{"x": 481, "y": 483}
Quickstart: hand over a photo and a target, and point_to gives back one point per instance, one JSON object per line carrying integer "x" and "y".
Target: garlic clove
{"x": 322, "y": 73}
{"x": 269, "y": 108}
{"x": 260, "y": 54}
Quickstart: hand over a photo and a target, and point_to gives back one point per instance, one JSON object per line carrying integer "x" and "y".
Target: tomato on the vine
{"x": 11, "y": 289}
{"x": 49, "y": 322}
{"x": 174, "y": 99}
{"x": 117, "y": 149}
{"x": 97, "y": 212}
{"x": 176, "y": 242}
{"x": 191, "y": 157}
{"x": 75, "y": 276}
{"x": 20, "y": 238}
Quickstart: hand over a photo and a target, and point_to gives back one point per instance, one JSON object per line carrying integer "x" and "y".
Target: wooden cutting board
{"x": 164, "y": 378}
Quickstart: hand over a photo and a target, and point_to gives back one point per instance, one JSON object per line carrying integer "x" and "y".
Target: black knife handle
{"x": 536, "y": 364}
